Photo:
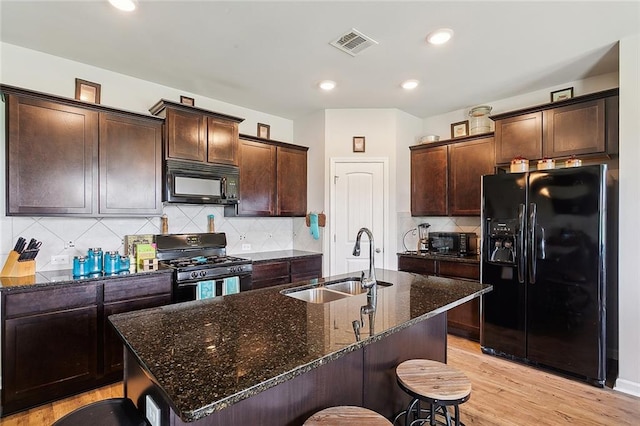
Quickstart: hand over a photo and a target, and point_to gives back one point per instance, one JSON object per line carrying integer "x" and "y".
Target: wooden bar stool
{"x": 435, "y": 383}
{"x": 346, "y": 415}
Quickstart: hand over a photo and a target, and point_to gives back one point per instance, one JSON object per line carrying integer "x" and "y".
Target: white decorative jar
{"x": 519, "y": 164}
{"x": 479, "y": 121}
{"x": 573, "y": 162}
{"x": 546, "y": 164}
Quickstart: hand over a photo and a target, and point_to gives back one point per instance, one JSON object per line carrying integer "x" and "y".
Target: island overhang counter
{"x": 262, "y": 357}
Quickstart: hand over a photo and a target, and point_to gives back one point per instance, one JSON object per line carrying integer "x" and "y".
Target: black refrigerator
{"x": 543, "y": 250}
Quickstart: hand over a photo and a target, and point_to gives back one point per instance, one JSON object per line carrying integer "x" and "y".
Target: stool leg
{"x": 457, "y": 413}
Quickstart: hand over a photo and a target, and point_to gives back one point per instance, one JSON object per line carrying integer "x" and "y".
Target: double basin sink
{"x": 330, "y": 291}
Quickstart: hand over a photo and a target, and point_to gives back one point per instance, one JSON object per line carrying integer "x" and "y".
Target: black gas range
{"x": 201, "y": 262}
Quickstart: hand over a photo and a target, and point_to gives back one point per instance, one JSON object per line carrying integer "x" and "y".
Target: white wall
{"x": 441, "y": 124}
{"x": 388, "y": 133}
{"x": 50, "y": 74}
{"x": 628, "y": 287}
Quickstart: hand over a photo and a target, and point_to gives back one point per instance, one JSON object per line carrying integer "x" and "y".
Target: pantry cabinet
{"x": 273, "y": 178}
{"x": 197, "y": 134}
{"x": 445, "y": 177}
{"x": 71, "y": 158}
{"x": 581, "y": 126}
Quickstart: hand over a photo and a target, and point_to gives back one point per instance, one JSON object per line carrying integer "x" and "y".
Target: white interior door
{"x": 358, "y": 202}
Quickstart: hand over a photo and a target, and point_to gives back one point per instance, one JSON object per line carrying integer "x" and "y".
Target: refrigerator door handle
{"x": 520, "y": 257}
{"x": 533, "y": 252}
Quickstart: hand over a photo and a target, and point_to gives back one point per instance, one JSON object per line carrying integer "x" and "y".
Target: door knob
{"x": 378, "y": 250}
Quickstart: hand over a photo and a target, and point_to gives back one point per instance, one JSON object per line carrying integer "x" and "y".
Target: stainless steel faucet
{"x": 370, "y": 281}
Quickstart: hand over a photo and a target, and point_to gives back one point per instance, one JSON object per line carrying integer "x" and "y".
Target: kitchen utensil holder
{"x": 13, "y": 268}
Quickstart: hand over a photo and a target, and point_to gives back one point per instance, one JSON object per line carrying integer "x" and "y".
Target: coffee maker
{"x": 423, "y": 237}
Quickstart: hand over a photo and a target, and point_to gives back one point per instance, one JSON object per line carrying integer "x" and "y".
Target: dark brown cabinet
{"x": 126, "y": 295}
{"x": 66, "y": 157}
{"x": 197, "y": 134}
{"x": 429, "y": 171}
{"x": 467, "y": 163}
{"x": 463, "y": 320}
{"x": 581, "y": 126}
{"x": 52, "y": 148}
{"x": 57, "y": 340}
{"x": 268, "y": 273}
{"x": 50, "y": 346}
{"x": 445, "y": 179}
{"x": 130, "y": 159}
{"x": 273, "y": 178}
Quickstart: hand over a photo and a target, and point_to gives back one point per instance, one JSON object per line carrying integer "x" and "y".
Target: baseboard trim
{"x": 627, "y": 386}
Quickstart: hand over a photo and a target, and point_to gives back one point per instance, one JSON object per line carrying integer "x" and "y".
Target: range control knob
{"x": 194, "y": 274}
{"x": 203, "y": 273}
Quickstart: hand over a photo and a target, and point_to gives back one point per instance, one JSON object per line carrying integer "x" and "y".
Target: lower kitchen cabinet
{"x": 50, "y": 346}
{"x": 126, "y": 295}
{"x": 463, "y": 320}
{"x": 272, "y": 272}
{"x": 57, "y": 340}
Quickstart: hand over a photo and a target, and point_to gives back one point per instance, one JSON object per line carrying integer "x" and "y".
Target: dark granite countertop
{"x": 62, "y": 278}
{"x": 268, "y": 256}
{"x": 467, "y": 259}
{"x": 207, "y": 355}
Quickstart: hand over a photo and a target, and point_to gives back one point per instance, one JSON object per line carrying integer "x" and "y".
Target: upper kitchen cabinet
{"x": 429, "y": 170}
{"x": 445, "y": 177}
{"x": 68, "y": 157}
{"x": 198, "y": 134}
{"x": 468, "y": 161}
{"x": 130, "y": 152}
{"x": 581, "y": 126}
{"x": 273, "y": 178}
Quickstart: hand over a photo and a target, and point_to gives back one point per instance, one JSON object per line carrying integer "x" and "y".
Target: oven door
{"x": 208, "y": 289}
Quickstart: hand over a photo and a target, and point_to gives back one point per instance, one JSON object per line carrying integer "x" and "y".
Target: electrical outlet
{"x": 243, "y": 236}
{"x": 61, "y": 259}
{"x": 246, "y": 247}
{"x": 152, "y": 411}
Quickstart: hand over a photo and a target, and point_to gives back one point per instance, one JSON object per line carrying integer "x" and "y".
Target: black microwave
{"x": 199, "y": 183}
{"x": 458, "y": 244}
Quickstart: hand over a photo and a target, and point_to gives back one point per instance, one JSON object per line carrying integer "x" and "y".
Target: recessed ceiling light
{"x": 125, "y": 5}
{"x": 440, "y": 36}
{"x": 327, "y": 85}
{"x": 410, "y": 84}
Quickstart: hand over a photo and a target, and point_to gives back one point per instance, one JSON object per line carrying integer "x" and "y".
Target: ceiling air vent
{"x": 353, "y": 42}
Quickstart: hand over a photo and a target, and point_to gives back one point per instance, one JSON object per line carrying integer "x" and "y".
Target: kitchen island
{"x": 262, "y": 357}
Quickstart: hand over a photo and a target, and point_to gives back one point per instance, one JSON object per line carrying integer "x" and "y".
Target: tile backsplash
{"x": 74, "y": 236}
{"x": 407, "y": 233}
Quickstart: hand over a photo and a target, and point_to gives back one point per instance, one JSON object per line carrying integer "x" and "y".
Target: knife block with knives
{"x": 15, "y": 268}
{"x": 21, "y": 261}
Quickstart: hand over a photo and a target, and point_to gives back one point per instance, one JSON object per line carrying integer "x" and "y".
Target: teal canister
{"x": 94, "y": 260}
{"x": 111, "y": 262}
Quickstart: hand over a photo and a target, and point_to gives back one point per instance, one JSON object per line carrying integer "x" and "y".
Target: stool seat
{"x": 109, "y": 412}
{"x": 346, "y": 415}
{"x": 433, "y": 380}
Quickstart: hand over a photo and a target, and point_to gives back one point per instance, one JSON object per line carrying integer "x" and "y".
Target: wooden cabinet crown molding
{"x": 159, "y": 110}
{"x": 272, "y": 142}
{"x": 18, "y": 91}
{"x": 451, "y": 141}
{"x": 551, "y": 105}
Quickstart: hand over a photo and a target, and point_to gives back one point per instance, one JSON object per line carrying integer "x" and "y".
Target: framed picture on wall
{"x": 460, "y": 129}
{"x": 264, "y": 131}
{"x": 87, "y": 91}
{"x": 358, "y": 144}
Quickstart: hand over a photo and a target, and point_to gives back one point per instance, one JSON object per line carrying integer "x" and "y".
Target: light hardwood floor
{"x": 504, "y": 393}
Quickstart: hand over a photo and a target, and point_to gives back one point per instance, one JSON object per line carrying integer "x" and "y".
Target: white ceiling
{"x": 269, "y": 56}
